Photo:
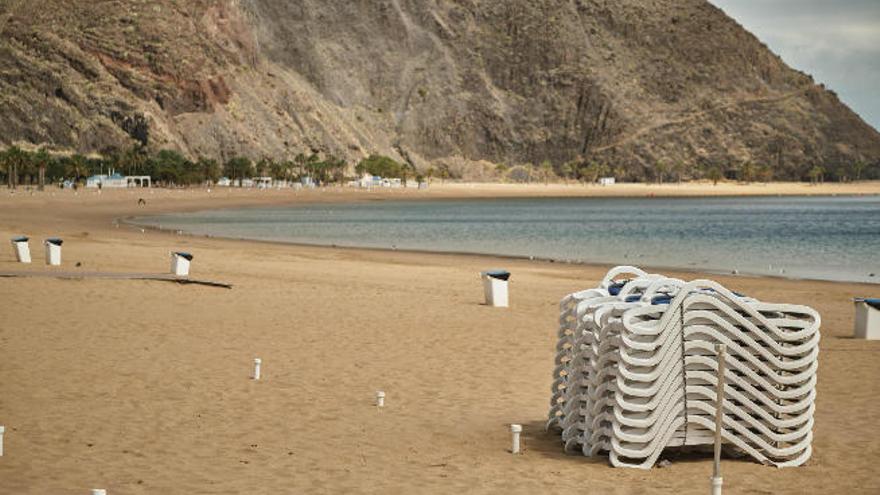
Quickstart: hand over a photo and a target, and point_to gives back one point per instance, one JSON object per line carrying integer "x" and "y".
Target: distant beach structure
{"x": 369, "y": 181}
{"x": 117, "y": 181}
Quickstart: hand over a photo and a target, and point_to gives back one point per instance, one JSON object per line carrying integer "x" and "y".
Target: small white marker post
{"x": 99, "y": 491}
{"x": 2, "y": 431}
{"x": 515, "y": 430}
{"x": 257, "y": 363}
{"x": 717, "y": 480}
{"x": 380, "y": 399}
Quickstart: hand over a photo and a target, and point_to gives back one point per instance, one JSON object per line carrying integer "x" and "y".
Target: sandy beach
{"x": 143, "y": 387}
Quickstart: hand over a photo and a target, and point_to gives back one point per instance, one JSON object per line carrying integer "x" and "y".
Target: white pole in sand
{"x": 515, "y": 430}
{"x": 2, "y": 431}
{"x": 380, "y": 399}
{"x": 257, "y": 363}
{"x": 99, "y": 491}
{"x": 717, "y": 480}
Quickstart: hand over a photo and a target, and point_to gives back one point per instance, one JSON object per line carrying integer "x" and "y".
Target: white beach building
{"x": 118, "y": 181}
{"x": 369, "y": 181}
{"x": 263, "y": 182}
{"x": 139, "y": 180}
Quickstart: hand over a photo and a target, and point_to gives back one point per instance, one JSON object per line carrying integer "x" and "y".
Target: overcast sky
{"x": 837, "y": 41}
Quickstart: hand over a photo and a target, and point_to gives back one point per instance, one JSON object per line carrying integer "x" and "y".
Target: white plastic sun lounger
{"x": 638, "y": 371}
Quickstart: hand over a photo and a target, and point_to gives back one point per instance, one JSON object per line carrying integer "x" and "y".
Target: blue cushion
{"x": 614, "y": 289}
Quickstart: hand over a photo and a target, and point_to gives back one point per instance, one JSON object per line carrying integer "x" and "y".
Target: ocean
{"x": 826, "y": 238}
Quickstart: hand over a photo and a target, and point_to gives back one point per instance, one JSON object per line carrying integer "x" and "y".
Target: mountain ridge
{"x": 468, "y": 84}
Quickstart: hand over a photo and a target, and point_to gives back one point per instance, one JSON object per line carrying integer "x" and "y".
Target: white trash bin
{"x": 22, "y": 249}
{"x": 180, "y": 263}
{"x": 867, "y": 319}
{"x": 495, "y": 287}
{"x": 53, "y": 251}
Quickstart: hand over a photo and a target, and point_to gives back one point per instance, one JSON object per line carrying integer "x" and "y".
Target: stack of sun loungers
{"x": 636, "y": 369}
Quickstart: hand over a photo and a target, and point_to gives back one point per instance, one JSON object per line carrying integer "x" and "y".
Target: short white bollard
{"x": 53, "y": 251}
{"x": 716, "y": 485}
{"x": 22, "y": 249}
{"x": 495, "y": 284}
{"x": 515, "y": 430}
{"x": 180, "y": 263}
{"x": 99, "y": 491}
{"x": 2, "y": 431}
{"x": 257, "y": 363}
{"x": 380, "y": 399}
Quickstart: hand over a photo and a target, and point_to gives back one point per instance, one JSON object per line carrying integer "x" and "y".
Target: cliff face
{"x": 627, "y": 82}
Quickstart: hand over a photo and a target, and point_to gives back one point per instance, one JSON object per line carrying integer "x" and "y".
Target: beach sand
{"x": 143, "y": 387}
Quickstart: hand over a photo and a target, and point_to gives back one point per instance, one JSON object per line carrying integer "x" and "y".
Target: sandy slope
{"x": 142, "y": 387}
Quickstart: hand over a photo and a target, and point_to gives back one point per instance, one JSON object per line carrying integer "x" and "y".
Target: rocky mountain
{"x": 467, "y": 83}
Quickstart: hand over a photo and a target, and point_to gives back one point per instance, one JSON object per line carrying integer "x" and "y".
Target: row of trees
{"x": 168, "y": 167}
{"x": 589, "y": 171}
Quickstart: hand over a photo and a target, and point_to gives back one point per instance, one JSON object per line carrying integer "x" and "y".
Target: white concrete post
{"x": 515, "y": 430}
{"x": 380, "y": 399}
{"x": 717, "y": 480}
{"x": 257, "y": 363}
{"x": 2, "y": 431}
{"x": 99, "y": 491}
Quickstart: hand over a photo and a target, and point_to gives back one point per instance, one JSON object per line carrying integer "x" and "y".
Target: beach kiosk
{"x": 22, "y": 249}
{"x": 53, "y": 251}
{"x": 867, "y": 318}
{"x": 180, "y": 263}
{"x": 495, "y": 287}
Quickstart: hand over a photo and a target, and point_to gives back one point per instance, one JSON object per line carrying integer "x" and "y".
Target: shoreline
{"x": 132, "y": 222}
{"x": 129, "y": 221}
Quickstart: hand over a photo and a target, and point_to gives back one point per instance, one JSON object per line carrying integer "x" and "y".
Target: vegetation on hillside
{"x": 166, "y": 167}
{"x": 589, "y": 171}
{"x": 170, "y": 168}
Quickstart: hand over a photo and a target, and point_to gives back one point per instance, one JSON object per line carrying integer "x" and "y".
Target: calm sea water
{"x": 833, "y": 238}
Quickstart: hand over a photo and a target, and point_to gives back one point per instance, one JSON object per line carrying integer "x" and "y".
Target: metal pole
{"x": 717, "y": 480}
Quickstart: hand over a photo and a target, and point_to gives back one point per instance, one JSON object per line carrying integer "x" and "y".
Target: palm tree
{"x": 714, "y": 174}
{"x": 857, "y": 168}
{"x": 747, "y": 172}
{"x": 208, "y": 168}
{"x": 546, "y": 171}
{"x": 566, "y": 170}
{"x": 42, "y": 159}
{"x": 135, "y": 160}
{"x": 816, "y": 174}
{"x": 5, "y": 166}
{"x": 16, "y": 160}
{"x": 77, "y": 167}
{"x": 660, "y": 170}
{"x": 680, "y": 167}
